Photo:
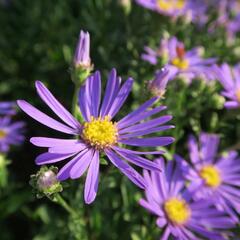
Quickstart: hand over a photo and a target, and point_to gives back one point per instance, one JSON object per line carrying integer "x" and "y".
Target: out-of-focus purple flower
{"x": 193, "y": 10}
{"x": 178, "y": 213}
{"x": 99, "y": 133}
{"x": 230, "y": 80}
{"x": 152, "y": 55}
{"x": 187, "y": 64}
{"x": 158, "y": 85}
{"x": 82, "y": 53}
{"x": 228, "y": 17}
{"x": 11, "y": 133}
{"x": 214, "y": 177}
{"x": 7, "y": 108}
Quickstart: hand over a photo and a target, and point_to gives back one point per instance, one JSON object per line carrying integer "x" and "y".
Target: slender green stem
{"x": 75, "y": 101}
{"x": 60, "y": 200}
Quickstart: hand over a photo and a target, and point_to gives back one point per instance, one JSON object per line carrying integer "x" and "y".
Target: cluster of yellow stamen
{"x": 170, "y": 5}
{"x": 211, "y": 176}
{"x": 180, "y": 63}
{"x": 238, "y": 95}
{"x": 177, "y": 210}
{"x": 100, "y": 132}
{"x": 3, "y": 134}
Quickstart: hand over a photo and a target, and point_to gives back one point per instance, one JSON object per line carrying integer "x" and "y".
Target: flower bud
{"x": 126, "y": 4}
{"x": 158, "y": 85}
{"x": 45, "y": 182}
{"x": 82, "y": 53}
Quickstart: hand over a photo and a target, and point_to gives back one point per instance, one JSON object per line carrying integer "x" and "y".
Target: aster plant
{"x": 178, "y": 213}
{"x": 99, "y": 134}
{"x": 181, "y": 63}
{"x": 215, "y": 177}
{"x": 230, "y": 80}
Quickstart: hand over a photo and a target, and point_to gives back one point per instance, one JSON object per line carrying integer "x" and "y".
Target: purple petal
{"x": 52, "y": 142}
{"x": 161, "y": 222}
{"x": 96, "y": 93}
{"x": 47, "y": 158}
{"x": 120, "y": 98}
{"x": 83, "y": 104}
{"x": 82, "y": 164}
{"x": 127, "y": 119}
{"x": 132, "y": 174}
{"x": 148, "y": 142}
{"x": 64, "y": 172}
{"x": 149, "y": 206}
{"x": 137, "y": 152}
{"x": 147, "y": 125}
{"x": 139, "y": 161}
{"x": 112, "y": 88}
{"x": 193, "y": 150}
{"x": 209, "y": 146}
{"x": 44, "y": 119}
{"x": 140, "y": 117}
{"x": 91, "y": 184}
{"x": 68, "y": 149}
{"x": 145, "y": 132}
{"x": 56, "y": 107}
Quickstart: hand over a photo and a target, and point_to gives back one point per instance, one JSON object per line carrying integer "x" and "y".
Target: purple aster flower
{"x": 82, "y": 53}
{"x": 11, "y": 133}
{"x": 177, "y": 212}
{"x": 99, "y": 133}
{"x": 158, "y": 85}
{"x": 215, "y": 177}
{"x": 175, "y": 8}
{"x": 7, "y": 108}
{"x": 230, "y": 80}
{"x": 187, "y": 64}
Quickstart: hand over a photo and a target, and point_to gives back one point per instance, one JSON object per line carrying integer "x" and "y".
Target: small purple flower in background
{"x": 11, "y": 133}
{"x": 186, "y": 64}
{"x": 214, "y": 177}
{"x": 152, "y": 55}
{"x": 178, "y": 213}
{"x": 173, "y": 8}
{"x": 82, "y": 53}
{"x": 158, "y": 85}
{"x": 228, "y": 18}
{"x": 7, "y": 108}
{"x": 230, "y": 80}
{"x": 99, "y": 134}
{"x": 193, "y": 10}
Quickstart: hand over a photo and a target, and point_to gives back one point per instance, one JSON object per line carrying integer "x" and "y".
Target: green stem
{"x": 75, "y": 100}
{"x": 59, "y": 199}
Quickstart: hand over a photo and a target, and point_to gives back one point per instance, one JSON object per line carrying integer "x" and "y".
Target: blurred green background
{"x": 37, "y": 42}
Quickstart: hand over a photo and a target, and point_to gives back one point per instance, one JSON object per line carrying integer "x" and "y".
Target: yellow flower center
{"x": 238, "y": 95}
{"x": 177, "y": 210}
{"x": 100, "y": 133}
{"x": 180, "y": 63}
{"x": 171, "y": 5}
{"x": 3, "y": 134}
{"x": 211, "y": 176}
